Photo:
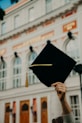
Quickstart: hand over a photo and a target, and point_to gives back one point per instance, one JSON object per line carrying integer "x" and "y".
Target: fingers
{"x": 54, "y": 84}
{"x": 60, "y": 87}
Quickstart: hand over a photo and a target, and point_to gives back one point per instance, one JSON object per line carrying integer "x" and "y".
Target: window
{"x": 67, "y": 1}
{"x": 16, "y": 72}
{"x": 3, "y": 74}
{"x": 16, "y": 21}
{"x": 48, "y": 5}
{"x": 72, "y": 49}
{"x": 31, "y": 14}
{"x": 3, "y": 28}
{"x": 31, "y": 77}
{"x": 74, "y": 100}
{"x": 32, "y": 56}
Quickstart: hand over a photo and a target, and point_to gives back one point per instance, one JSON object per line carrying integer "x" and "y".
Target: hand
{"x": 61, "y": 90}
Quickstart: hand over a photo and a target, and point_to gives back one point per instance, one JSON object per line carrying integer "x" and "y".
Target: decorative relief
{"x": 69, "y": 26}
{"x": 48, "y": 22}
{"x": 69, "y": 13}
{"x": 47, "y": 35}
{"x": 2, "y": 52}
{"x": 3, "y": 41}
{"x": 16, "y": 36}
{"x": 34, "y": 40}
{"x": 31, "y": 29}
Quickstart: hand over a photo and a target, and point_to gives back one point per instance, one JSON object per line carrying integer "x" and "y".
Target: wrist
{"x": 65, "y": 106}
{"x": 63, "y": 100}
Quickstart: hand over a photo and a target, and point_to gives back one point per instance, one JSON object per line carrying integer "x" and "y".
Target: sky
{"x": 4, "y": 4}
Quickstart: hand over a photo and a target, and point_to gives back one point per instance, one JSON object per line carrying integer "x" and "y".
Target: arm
{"x": 67, "y": 111}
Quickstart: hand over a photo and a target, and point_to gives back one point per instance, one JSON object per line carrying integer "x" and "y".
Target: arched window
{"x": 3, "y": 74}
{"x": 44, "y": 105}
{"x": 71, "y": 48}
{"x": 32, "y": 57}
{"x": 32, "y": 79}
{"x": 17, "y": 72}
{"x": 25, "y": 107}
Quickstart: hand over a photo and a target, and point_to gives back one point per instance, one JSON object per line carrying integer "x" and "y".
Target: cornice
{"x": 27, "y": 92}
{"x": 39, "y": 21}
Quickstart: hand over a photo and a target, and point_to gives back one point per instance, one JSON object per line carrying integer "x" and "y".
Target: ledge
{"x": 53, "y": 14}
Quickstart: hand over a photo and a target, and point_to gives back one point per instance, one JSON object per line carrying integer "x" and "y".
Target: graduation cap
{"x": 52, "y": 65}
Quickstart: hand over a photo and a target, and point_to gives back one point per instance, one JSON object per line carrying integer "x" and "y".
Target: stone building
{"x": 27, "y": 25}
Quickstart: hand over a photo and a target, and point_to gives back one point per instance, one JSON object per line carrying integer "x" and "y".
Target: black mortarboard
{"x": 52, "y": 65}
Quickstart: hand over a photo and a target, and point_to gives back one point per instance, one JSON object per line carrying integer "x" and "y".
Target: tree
{"x": 14, "y": 1}
{"x": 2, "y": 13}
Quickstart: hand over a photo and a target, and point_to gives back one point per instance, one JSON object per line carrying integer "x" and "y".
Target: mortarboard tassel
{"x": 45, "y": 65}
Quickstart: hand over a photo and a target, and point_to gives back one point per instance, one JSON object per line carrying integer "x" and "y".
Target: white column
{"x": 17, "y": 111}
{"x": 11, "y": 105}
{"x": 38, "y": 110}
{"x": 31, "y": 115}
{"x": 80, "y": 39}
{"x": 49, "y": 108}
{"x": 23, "y": 74}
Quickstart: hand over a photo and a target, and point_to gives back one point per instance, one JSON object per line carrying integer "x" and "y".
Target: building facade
{"x": 24, "y": 32}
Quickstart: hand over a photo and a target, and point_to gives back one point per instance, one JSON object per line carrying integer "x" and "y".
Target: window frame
{"x": 32, "y": 79}
{"x": 17, "y": 71}
{"x": 48, "y": 6}
{"x": 31, "y": 15}
{"x": 66, "y": 43}
{"x": 3, "y": 75}
{"x": 16, "y": 21}
{"x": 3, "y": 27}
{"x": 75, "y": 107}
